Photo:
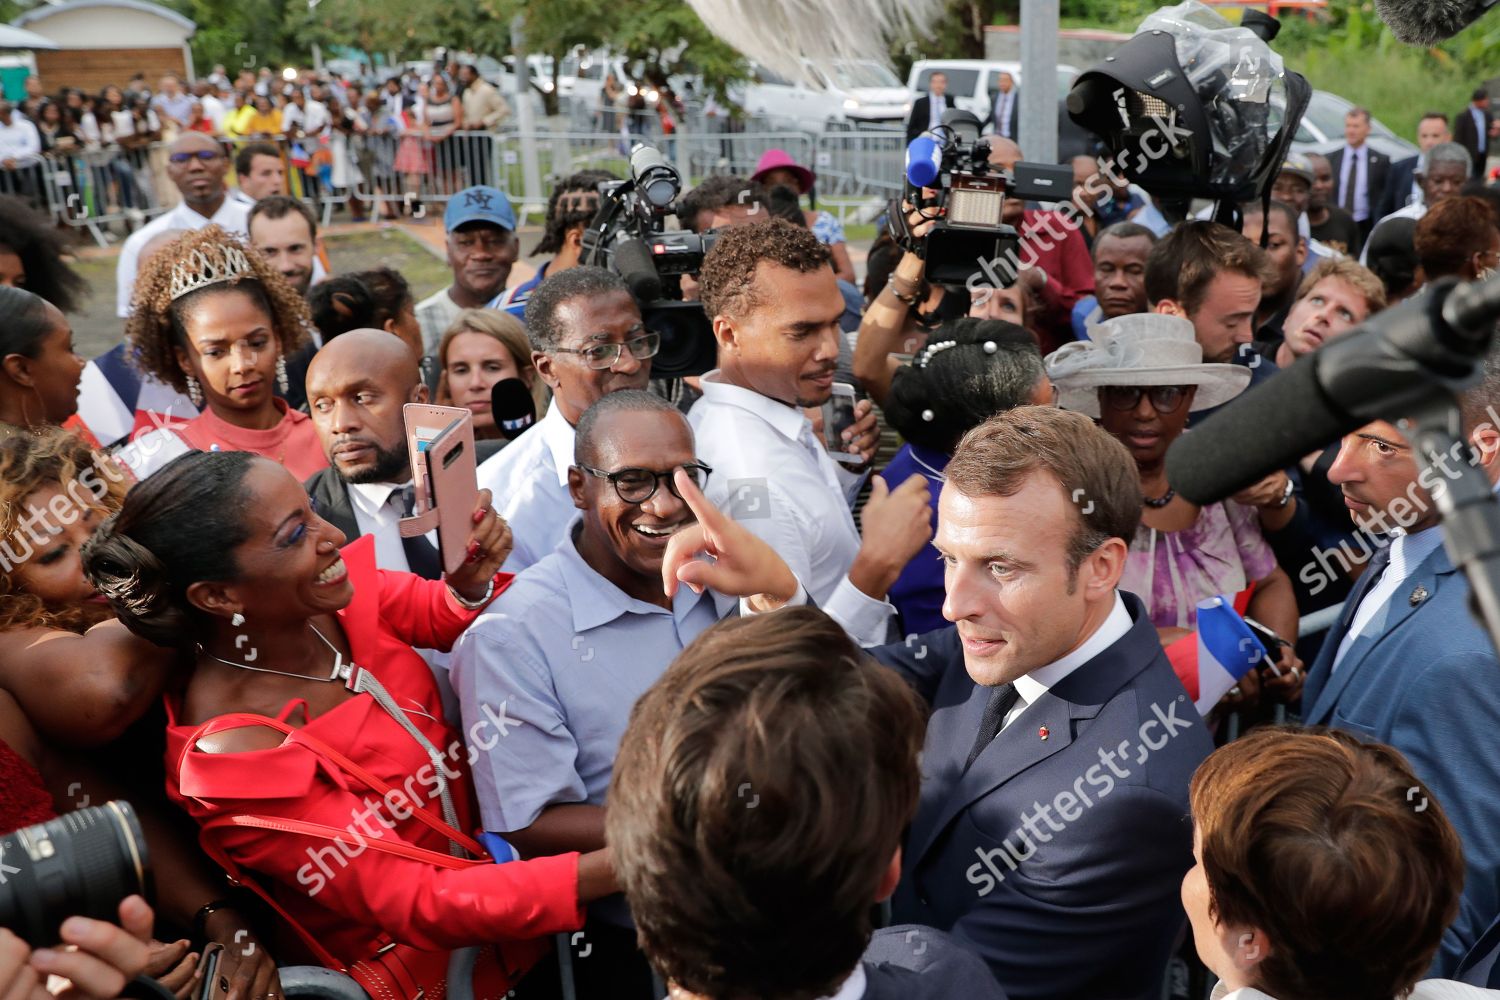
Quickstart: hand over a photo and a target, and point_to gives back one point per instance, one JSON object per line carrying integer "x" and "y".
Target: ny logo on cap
{"x": 477, "y": 198}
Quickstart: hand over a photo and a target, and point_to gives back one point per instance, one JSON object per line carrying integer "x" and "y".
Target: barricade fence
{"x": 109, "y": 190}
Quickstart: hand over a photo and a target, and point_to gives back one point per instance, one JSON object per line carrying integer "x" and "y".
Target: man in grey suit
{"x": 756, "y": 813}
{"x": 1005, "y": 111}
{"x": 1360, "y": 172}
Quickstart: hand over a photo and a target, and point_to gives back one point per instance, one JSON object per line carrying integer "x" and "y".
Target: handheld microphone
{"x": 512, "y": 407}
{"x": 1427, "y": 22}
{"x": 632, "y": 258}
{"x": 1384, "y": 369}
{"x": 924, "y": 161}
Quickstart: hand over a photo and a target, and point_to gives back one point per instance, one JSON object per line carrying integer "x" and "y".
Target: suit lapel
{"x": 1396, "y": 612}
{"x": 332, "y": 496}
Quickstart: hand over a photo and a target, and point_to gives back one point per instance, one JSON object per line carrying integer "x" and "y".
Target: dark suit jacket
{"x": 1425, "y": 680}
{"x": 919, "y": 120}
{"x": 1086, "y": 905}
{"x": 1398, "y": 186}
{"x": 1467, "y": 136}
{"x": 1376, "y": 182}
{"x": 919, "y": 963}
{"x": 1014, "y": 116}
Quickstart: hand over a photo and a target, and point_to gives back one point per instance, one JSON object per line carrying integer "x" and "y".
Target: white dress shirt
{"x": 937, "y": 105}
{"x": 773, "y": 476}
{"x": 1003, "y": 102}
{"x": 854, "y": 987}
{"x": 20, "y": 141}
{"x": 1482, "y": 130}
{"x": 232, "y": 216}
{"x": 1031, "y": 686}
{"x": 529, "y": 483}
{"x": 378, "y": 510}
{"x": 1407, "y": 553}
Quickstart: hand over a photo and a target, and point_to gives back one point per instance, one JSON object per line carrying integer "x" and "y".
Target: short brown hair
{"x": 727, "y": 282}
{"x": 1335, "y": 850}
{"x": 1185, "y": 262}
{"x": 279, "y": 206}
{"x": 1351, "y": 273}
{"x": 761, "y": 791}
{"x": 1451, "y": 232}
{"x": 997, "y": 457}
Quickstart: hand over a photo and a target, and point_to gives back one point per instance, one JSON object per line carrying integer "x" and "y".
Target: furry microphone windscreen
{"x": 1427, "y": 22}
{"x": 779, "y": 34}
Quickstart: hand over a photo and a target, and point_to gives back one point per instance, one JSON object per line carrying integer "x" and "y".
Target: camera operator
{"x": 101, "y": 957}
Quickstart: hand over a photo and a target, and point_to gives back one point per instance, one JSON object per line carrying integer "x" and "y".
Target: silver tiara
{"x": 203, "y": 268}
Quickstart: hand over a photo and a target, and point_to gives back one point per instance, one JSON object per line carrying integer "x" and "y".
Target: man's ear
{"x": 1486, "y": 441}
{"x": 17, "y": 368}
{"x": 543, "y": 365}
{"x": 1104, "y": 567}
{"x": 1301, "y": 251}
{"x": 1169, "y": 307}
{"x": 575, "y": 487}
{"x": 573, "y": 238}
{"x": 726, "y": 334}
{"x": 214, "y": 597}
{"x": 419, "y": 393}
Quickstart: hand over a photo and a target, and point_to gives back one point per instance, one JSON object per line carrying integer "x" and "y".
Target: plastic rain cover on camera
{"x": 1240, "y": 81}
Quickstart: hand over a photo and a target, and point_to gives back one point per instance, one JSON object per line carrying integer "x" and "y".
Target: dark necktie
{"x": 1352, "y": 156}
{"x": 1001, "y": 701}
{"x": 421, "y": 555}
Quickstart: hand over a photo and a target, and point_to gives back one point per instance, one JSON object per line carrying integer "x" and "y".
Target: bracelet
{"x": 910, "y": 298}
{"x": 468, "y": 605}
{"x": 1286, "y": 495}
{"x": 200, "y": 919}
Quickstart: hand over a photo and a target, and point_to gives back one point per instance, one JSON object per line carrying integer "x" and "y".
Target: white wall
{"x": 108, "y": 28}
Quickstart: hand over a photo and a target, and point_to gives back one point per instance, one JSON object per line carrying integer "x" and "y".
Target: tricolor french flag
{"x": 1212, "y": 660}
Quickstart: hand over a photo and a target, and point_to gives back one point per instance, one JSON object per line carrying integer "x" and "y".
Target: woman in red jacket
{"x": 308, "y": 738}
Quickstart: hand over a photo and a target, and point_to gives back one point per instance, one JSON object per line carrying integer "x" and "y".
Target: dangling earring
{"x": 282, "y": 382}
{"x": 195, "y": 392}
{"x": 236, "y": 619}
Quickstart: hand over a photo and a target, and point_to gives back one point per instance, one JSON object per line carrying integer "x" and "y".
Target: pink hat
{"x": 780, "y": 159}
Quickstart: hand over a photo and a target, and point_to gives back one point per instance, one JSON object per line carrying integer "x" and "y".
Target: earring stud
{"x": 237, "y": 619}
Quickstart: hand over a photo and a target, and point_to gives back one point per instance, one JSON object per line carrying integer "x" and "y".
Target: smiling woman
{"x": 215, "y": 321}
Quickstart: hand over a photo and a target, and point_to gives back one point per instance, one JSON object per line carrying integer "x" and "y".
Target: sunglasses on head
{"x": 206, "y": 155}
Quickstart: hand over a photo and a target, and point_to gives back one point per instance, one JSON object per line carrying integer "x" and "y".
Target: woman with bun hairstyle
{"x": 212, "y": 319}
{"x": 969, "y": 371}
{"x": 305, "y": 702}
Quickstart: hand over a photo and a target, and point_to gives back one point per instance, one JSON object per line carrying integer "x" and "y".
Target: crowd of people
{"x": 721, "y": 701}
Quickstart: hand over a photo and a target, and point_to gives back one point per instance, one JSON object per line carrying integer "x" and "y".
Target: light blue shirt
{"x": 565, "y": 654}
{"x": 1356, "y": 171}
{"x": 1482, "y": 130}
{"x": 529, "y": 483}
{"x": 1407, "y": 553}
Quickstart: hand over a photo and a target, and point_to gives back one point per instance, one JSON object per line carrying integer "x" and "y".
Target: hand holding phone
{"x": 838, "y": 416}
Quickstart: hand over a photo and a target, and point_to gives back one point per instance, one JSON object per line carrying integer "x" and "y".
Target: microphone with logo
{"x": 512, "y": 407}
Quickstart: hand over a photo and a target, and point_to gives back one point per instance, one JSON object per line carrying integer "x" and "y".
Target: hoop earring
{"x": 195, "y": 392}
{"x": 282, "y": 382}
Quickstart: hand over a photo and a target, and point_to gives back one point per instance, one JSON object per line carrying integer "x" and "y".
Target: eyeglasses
{"x": 639, "y": 485}
{"x": 1164, "y": 398}
{"x": 602, "y": 356}
{"x": 206, "y": 155}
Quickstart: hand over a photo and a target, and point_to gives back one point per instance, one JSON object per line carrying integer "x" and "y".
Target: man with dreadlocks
{"x": 571, "y": 208}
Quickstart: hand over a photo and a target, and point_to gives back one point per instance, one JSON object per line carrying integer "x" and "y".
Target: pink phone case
{"x": 440, "y": 442}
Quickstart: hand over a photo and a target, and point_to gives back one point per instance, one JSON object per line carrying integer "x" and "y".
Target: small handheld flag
{"x": 1212, "y": 660}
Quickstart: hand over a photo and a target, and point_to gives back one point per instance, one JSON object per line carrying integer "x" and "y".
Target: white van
{"x": 974, "y": 82}
{"x": 841, "y": 91}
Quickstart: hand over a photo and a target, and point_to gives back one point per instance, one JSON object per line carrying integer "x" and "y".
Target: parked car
{"x": 974, "y": 82}
{"x": 845, "y": 91}
{"x": 1322, "y": 130}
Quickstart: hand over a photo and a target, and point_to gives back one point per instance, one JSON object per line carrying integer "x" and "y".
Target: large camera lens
{"x": 80, "y": 864}
{"x": 687, "y": 339}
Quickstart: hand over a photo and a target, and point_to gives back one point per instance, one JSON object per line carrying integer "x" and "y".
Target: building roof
{"x": 49, "y": 10}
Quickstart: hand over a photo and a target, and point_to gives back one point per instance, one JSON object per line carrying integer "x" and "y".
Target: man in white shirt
{"x": 301, "y": 117}
{"x": 172, "y": 103}
{"x": 773, "y": 299}
{"x": 196, "y": 165}
{"x": 213, "y": 108}
{"x": 587, "y": 340}
{"x": 20, "y": 153}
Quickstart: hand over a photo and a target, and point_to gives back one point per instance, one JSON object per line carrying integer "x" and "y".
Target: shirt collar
{"x": 558, "y": 435}
{"x": 375, "y": 495}
{"x": 787, "y": 421}
{"x": 1222, "y": 992}
{"x": 595, "y": 601}
{"x": 1409, "y": 551}
{"x": 1038, "y": 682}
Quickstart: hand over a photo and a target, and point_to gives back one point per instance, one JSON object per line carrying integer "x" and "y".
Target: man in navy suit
{"x": 1360, "y": 172}
{"x": 1005, "y": 109}
{"x": 1052, "y": 831}
{"x": 927, "y": 109}
{"x": 1408, "y": 665}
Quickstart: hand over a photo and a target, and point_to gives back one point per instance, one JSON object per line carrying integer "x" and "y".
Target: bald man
{"x": 196, "y": 164}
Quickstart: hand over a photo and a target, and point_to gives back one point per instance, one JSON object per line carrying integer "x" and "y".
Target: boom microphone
{"x": 1427, "y": 22}
{"x": 924, "y": 161}
{"x": 512, "y": 407}
{"x": 1384, "y": 369}
{"x": 638, "y": 270}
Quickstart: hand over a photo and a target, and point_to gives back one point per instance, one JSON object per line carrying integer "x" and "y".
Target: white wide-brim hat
{"x": 1140, "y": 349}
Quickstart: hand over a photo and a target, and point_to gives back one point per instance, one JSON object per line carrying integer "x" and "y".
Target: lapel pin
{"x": 1043, "y": 732}
{"x": 1418, "y": 596}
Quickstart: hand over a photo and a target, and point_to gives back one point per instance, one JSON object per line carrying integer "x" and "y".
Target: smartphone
{"x": 208, "y": 986}
{"x": 1268, "y": 639}
{"x": 838, "y": 416}
{"x": 440, "y": 444}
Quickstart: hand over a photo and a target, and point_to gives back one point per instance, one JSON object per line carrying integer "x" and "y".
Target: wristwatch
{"x": 1286, "y": 495}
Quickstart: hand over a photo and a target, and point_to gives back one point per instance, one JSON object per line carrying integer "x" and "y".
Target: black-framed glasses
{"x": 206, "y": 155}
{"x": 1164, "y": 398}
{"x": 639, "y": 485}
{"x": 602, "y": 356}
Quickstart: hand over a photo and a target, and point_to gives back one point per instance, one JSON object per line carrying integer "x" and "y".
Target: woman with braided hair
{"x": 213, "y": 320}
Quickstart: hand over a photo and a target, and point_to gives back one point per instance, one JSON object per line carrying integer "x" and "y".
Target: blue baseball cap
{"x": 480, "y": 203}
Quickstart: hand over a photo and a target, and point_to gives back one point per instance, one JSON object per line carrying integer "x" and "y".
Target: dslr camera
{"x": 968, "y": 235}
{"x": 629, "y": 237}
